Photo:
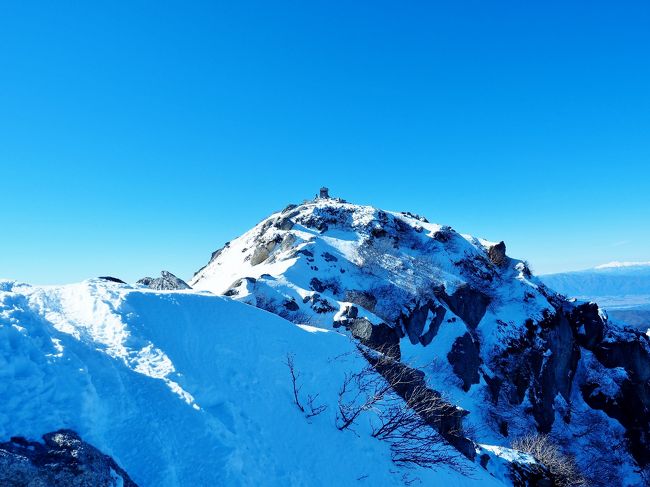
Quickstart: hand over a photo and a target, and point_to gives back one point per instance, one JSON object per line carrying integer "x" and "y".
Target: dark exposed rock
{"x": 322, "y": 286}
{"x": 557, "y": 371}
{"x": 434, "y": 326}
{"x": 467, "y": 303}
{"x": 166, "y": 281}
{"x": 378, "y": 232}
{"x": 283, "y": 224}
{"x": 291, "y": 305}
{"x": 112, "y": 279}
{"x": 416, "y": 216}
{"x": 631, "y": 406}
{"x": 530, "y": 475}
{"x": 63, "y": 460}
{"x": 632, "y": 352}
{"x": 316, "y": 285}
{"x": 321, "y": 218}
{"x": 497, "y": 253}
{"x": 329, "y": 257}
{"x": 319, "y": 304}
{"x": 589, "y": 327}
{"x": 444, "y": 234}
{"x": 414, "y": 323}
{"x": 416, "y": 320}
{"x": 465, "y": 360}
{"x": 362, "y": 298}
{"x": 379, "y": 337}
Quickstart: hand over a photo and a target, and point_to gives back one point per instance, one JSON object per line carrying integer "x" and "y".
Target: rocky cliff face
{"x": 166, "y": 282}
{"x": 62, "y": 460}
{"x": 512, "y": 352}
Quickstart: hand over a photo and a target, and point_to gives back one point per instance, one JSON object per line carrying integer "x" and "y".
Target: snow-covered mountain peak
{"x": 617, "y": 265}
{"x": 500, "y": 343}
{"x": 315, "y": 260}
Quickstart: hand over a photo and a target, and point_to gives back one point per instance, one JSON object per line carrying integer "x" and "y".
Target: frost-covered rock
{"x": 62, "y": 460}
{"x": 514, "y": 351}
{"x": 167, "y": 281}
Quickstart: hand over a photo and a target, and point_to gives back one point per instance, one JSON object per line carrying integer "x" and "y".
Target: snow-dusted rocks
{"x": 62, "y": 460}
{"x": 167, "y": 281}
{"x": 504, "y": 346}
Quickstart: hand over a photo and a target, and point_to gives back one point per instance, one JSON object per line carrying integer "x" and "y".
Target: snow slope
{"x": 184, "y": 388}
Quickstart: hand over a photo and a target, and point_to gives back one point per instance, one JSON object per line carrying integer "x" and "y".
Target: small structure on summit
{"x": 324, "y": 193}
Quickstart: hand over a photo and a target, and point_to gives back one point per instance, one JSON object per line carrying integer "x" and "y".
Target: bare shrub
{"x": 403, "y": 422}
{"x": 412, "y": 439}
{"x": 294, "y": 381}
{"x": 360, "y": 392}
{"x": 312, "y": 408}
{"x": 561, "y": 466}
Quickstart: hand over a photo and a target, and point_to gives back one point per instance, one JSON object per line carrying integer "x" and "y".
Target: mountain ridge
{"x": 421, "y": 291}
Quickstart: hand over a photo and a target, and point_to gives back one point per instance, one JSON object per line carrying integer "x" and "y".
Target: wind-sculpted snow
{"x": 182, "y": 388}
{"x": 500, "y": 343}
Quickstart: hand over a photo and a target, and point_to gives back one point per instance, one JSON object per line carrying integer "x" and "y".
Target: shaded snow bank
{"x": 184, "y": 388}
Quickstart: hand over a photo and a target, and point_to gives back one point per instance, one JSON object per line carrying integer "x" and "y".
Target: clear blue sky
{"x": 139, "y": 136}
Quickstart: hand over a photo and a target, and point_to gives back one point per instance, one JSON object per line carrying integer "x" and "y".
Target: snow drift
{"x": 185, "y": 388}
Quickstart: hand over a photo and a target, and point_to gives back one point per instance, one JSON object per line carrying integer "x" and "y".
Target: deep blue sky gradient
{"x": 137, "y": 136}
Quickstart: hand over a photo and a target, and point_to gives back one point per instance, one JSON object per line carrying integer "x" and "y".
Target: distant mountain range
{"x": 621, "y": 288}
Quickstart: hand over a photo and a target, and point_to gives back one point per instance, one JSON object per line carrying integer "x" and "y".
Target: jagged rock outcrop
{"x": 397, "y": 282}
{"x": 62, "y": 460}
{"x": 497, "y": 253}
{"x": 112, "y": 279}
{"x": 465, "y": 360}
{"x": 167, "y": 281}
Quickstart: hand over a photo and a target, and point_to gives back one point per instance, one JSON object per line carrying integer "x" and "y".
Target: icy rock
{"x": 62, "y": 460}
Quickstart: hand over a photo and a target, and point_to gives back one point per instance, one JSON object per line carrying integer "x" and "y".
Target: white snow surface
{"x": 185, "y": 388}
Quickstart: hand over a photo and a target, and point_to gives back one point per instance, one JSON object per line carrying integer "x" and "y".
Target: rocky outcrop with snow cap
{"x": 166, "y": 282}
{"x": 62, "y": 460}
{"x": 501, "y": 344}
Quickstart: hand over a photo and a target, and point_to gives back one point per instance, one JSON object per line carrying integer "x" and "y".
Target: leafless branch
{"x": 294, "y": 381}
